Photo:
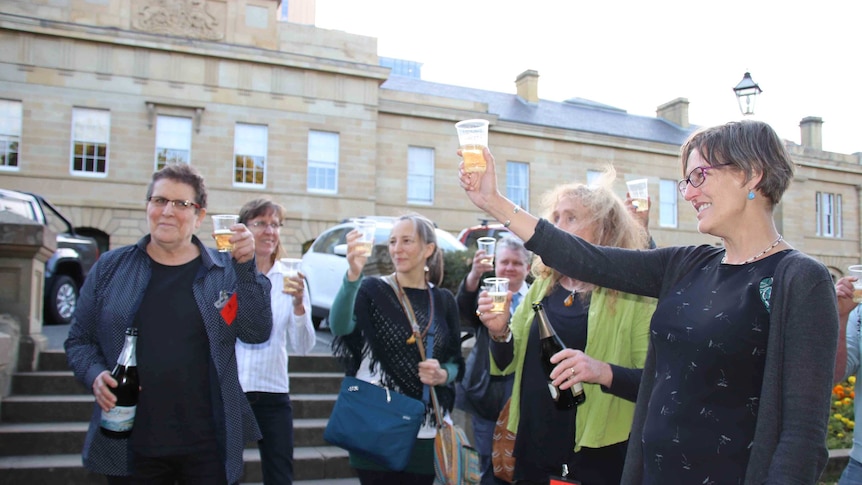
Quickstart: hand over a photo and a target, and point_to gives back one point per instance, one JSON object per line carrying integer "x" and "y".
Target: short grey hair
{"x": 515, "y": 244}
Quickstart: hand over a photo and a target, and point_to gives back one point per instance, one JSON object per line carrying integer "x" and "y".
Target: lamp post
{"x": 746, "y": 94}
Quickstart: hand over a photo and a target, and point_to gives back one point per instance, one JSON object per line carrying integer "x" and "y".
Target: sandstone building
{"x": 97, "y": 94}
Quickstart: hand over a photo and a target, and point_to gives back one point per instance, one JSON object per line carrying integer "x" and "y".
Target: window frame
{"x": 244, "y": 138}
{"x": 833, "y": 217}
{"x": 314, "y": 166}
{"x": 522, "y": 199}
{"x": 161, "y": 134}
{"x": 11, "y": 125}
{"x": 419, "y": 158}
{"x": 97, "y": 145}
{"x": 668, "y": 196}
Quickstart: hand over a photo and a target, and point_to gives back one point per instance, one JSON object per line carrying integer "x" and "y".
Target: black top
{"x": 174, "y": 414}
{"x": 546, "y": 435}
{"x": 710, "y": 338}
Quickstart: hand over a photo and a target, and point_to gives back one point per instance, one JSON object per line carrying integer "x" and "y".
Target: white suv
{"x": 324, "y": 264}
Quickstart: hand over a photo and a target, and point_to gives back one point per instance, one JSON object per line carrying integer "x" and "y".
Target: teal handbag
{"x": 374, "y": 422}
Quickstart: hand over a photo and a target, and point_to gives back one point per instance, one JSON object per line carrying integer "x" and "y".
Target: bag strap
{"x": 407, "y": 308}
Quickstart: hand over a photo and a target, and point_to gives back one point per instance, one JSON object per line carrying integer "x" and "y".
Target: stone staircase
{"x": 44, "y": 420}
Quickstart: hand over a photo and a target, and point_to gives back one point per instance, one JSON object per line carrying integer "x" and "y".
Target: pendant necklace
{"x": 570, "y": 299}
{"x": 770, "y": 248}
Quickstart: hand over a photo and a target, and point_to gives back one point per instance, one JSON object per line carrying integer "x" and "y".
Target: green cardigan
{"x": 618, "y": 336}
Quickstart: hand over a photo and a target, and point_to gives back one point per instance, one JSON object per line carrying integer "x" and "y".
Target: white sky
{"x": 637, "y": 55}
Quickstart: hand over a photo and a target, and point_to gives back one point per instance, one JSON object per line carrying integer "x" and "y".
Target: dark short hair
{"x": 184, "y": 174}
{"x": 752, "y": 147}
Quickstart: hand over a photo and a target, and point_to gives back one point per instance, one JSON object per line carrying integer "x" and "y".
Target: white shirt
{"x": 263, "y": 367}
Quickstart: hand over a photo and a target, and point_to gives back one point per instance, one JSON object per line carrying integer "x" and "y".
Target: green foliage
{"x": 456, "y": 265}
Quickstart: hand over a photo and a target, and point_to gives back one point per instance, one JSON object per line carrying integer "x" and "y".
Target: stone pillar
{"x": 25, "y": 246}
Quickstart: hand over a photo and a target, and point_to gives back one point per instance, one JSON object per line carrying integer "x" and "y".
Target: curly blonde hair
{"x": 612, "y": 223}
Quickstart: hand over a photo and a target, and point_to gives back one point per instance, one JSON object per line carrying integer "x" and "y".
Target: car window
{"x": 326, "y": 242}
{"x": 19, "y": 207}
{"x": 448, "y": 242}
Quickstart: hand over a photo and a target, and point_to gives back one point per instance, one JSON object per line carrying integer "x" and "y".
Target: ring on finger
{"x": 572, "y": 370}
{"x": 478, "y": 313}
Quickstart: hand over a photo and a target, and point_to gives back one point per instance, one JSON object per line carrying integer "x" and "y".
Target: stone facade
{"x": 220, "y": 62}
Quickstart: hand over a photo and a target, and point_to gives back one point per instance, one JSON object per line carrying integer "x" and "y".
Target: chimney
{"x": 675, "y": 111}
{"x": 812, "y": 132}
{"x": 527, "y": 84}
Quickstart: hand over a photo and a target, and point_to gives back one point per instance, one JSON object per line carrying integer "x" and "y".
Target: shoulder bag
{"x": 455, "y": 461}
{"x": 374, "y": 422}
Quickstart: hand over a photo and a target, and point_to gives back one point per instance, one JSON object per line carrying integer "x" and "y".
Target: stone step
{"x": 55, "y": 360}
{"x": 326, "y": 463}
{"x": 21, "y": 439}
{"x": 63, "y": 382}
{"x": 66, "y": 408}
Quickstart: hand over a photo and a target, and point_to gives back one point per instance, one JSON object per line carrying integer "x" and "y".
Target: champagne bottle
{"x": 118, "y": 422}
{"x": 551, "y": 344}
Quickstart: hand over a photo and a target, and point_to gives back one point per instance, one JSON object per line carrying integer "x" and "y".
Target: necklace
{"x": 571, "y": 298}
{"x": 408, "y": 309}
{"x": 769, "y": 248}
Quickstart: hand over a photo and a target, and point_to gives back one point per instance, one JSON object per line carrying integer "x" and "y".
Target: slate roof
{"x": 573, "y": 114}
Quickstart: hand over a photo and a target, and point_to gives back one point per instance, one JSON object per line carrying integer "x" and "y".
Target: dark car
{"x": 469, "y": 235}
{"x": 67, "y": 268}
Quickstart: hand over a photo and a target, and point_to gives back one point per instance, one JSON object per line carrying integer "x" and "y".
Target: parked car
{"x": 325, "y": 264}
{"x": 469, "y": 235}
{"x": 71, "y": 262}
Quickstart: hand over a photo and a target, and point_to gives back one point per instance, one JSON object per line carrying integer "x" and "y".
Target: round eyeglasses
{"x": 261, "y": 225}
{"x": 696, "y": 177}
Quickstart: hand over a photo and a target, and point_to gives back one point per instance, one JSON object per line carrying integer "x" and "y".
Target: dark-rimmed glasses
{"x": 261, "y": 225}
{"x": 178, "y": 204}
{"x": 696, "y": 177}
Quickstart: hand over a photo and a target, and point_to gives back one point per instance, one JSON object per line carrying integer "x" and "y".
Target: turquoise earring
{"x": 750, "y": 195}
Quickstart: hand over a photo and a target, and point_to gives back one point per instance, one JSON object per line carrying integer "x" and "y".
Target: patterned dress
{"x": 710, "y": 335}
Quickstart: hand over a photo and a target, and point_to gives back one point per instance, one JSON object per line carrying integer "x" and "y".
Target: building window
{"x": 249, "y": 154}
{"x": 420, "y": 175}
{"x": 828, "y": 214}
{"x": 668, "y": 194}
{"x": 593, "y": 176}
{"x": 518, "y": 183}
{"x": 322, "y": 162}
{"x": 10, "y": 133}
{"x": 173, "y": 140}
{"x": 91, "y": 129}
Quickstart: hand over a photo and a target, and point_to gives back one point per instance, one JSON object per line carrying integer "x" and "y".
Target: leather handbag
{"x": 478, "y": 393}
{"x": 375, "y": 422}
{"x": 502, "y": 457}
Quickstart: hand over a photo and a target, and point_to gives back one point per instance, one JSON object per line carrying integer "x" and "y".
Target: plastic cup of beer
{"x": 292, "y": 267}
{"x": 473, "y": 138}
{"x": 856, "y": 270}
{"x": 367, "y": 228}
{"x": 487, "y": 244}
{"x": 222, "y": 232}
{"x": 639, "y": 194}
{"x": 499, "y": 291}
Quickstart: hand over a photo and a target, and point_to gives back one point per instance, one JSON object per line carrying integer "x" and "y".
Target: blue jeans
{"x": 274, "y": 416}
{"x": 852, "y": 474}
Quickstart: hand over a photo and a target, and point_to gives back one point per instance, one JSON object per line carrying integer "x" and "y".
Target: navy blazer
{"x": 107, "y": 306}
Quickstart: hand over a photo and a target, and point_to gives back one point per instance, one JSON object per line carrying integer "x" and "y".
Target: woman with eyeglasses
{"x": 190, "y": 303}
{"x": 263, "y": 366}
{"x": 736, "y": 385}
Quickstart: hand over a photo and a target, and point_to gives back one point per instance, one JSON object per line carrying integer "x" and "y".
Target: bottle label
{"x": 555, "y": 393}
{"x": 120, "y": 419}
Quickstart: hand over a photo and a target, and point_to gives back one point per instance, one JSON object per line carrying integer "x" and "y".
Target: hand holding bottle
{"x": 102, "y": 386}
{"x": 574, "y": 366}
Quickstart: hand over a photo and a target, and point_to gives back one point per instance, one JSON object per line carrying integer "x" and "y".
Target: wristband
{"x": 504, "y": 339}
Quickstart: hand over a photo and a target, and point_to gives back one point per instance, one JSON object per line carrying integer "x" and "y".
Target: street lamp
{"x": 746, "y": 94}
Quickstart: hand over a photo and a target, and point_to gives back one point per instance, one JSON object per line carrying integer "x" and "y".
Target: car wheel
{"x": 61, "y": 300}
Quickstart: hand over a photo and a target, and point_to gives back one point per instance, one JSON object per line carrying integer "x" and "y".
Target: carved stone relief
{"x": 185, "y": 18}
